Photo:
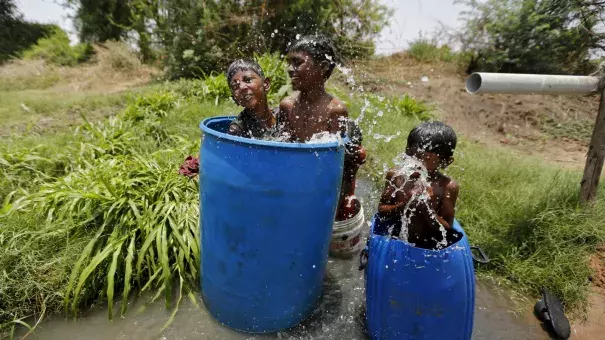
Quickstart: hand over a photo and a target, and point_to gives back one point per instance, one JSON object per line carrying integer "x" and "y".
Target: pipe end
{"x": 473, "y": 83}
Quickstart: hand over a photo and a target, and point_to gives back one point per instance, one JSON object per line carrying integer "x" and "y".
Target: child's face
{"x": 249, "y": 89}
{"x": 304, "y": 71}
{"x": 433, "y": 162}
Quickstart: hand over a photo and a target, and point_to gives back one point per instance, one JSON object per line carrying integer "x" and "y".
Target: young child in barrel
{"x": 312, "y": 110}
{"x": 249, "y": 89}
{"x": 429, "y": 222}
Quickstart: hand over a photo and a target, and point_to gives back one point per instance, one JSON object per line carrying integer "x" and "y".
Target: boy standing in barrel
{"x": 311, "y": 61}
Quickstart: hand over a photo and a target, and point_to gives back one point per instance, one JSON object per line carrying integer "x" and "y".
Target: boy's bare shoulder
{"x": 287, "y": 103}
{"x": 452, "y": 185}
{"x": 337, "y": 108}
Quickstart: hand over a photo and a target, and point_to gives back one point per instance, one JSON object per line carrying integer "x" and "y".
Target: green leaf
{"x": 128, "y": 274}
{"x": 111, "y": 277}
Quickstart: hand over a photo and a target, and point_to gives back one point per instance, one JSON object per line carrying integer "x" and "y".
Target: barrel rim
{"x": 286, "y": 145}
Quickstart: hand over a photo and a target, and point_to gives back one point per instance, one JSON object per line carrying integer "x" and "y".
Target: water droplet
{"x": 386, "y": 266}
{"x": 313, "y": 266}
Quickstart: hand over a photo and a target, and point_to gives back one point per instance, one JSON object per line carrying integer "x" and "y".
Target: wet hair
{"x": 319, "y": 47}
{"x": 435, "y": 137}
{"x": 244, "y": 65}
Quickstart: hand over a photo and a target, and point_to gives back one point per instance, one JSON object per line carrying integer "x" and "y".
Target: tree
{"x": 534, "y": 36}
{"x": 199, "y": 36}
{"x": 8, "y": 10}
{"x": 101, "y": 20}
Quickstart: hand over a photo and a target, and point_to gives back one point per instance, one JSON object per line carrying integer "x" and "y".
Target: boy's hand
{"x": 413, "y": 185}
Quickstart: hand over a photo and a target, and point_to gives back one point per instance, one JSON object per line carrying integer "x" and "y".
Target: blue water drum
{"x": 414, "y": 293}
{"x": 266, "y": 215}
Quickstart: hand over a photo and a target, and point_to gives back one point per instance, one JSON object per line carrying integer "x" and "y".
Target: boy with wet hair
{"x": 431, "y": 146}
{"x": 249, "y": 88}
{"x": 311, "y": 110}
{"x": 311, "y": 61}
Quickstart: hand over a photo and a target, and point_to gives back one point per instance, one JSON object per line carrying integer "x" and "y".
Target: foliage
{"x": 531, "y": 36}
{"x": 198, "y": 37}
{"x": 55, "y": 49}
{"x": 117, "y": 189}
{"x": 101, "y": 20}
{"x": 17, "y": 35}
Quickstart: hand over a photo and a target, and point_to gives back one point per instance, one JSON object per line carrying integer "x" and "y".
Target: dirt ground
{"x": 556, "y": 129}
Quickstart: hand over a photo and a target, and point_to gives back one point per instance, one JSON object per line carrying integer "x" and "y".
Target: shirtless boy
{"x": 312, "y": 110}
{"x": 432, "y": 144}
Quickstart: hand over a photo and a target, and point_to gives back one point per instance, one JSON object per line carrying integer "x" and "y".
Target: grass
{"x": 101, "y": 213}
{"x": 580, "y": 129}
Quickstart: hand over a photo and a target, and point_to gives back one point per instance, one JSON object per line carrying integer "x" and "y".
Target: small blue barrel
{"x": 266, "y": 215}
{"x": 415, "y": 293}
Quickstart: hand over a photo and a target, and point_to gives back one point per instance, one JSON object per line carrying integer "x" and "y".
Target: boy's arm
{"x": 448, "y": 206}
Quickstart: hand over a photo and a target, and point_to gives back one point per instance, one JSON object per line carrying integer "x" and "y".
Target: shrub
{"x": 55, "y": 49}
{"x": 426, "y": 50}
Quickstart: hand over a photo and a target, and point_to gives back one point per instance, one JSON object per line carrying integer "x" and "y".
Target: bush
{"x": 55, "y": 49}
{"x": 428, "y": 51}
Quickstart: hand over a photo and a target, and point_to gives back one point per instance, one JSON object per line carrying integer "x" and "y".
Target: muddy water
{"x": 336, "y": 317}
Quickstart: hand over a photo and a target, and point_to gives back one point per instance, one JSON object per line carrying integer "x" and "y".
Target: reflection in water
{"x": 337, "y": 316}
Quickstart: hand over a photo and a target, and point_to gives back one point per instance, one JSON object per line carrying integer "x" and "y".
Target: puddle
{"x": 336, "y": 317}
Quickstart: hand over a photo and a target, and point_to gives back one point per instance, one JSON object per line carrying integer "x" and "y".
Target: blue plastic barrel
{"x": 266, "y": 215}
{"x": 415, "y": 293}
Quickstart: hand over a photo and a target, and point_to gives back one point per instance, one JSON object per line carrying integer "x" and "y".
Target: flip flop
{"x": 483, "y": 259}
{"x": 550, "y": 311}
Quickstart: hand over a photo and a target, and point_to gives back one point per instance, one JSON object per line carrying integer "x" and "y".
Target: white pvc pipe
{"x": 530, "y": 83}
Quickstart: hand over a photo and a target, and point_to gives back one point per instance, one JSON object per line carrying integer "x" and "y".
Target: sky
{"x": 410, "y": 19}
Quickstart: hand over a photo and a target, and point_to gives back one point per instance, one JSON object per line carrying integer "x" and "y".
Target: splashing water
{"x": 408, "y": 166}
{"x": 325, "y": 137}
